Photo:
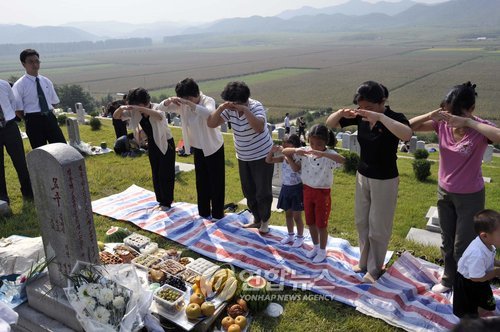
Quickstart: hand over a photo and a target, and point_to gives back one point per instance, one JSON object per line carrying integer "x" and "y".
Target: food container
{"x": 169, "y": 298}
{"x": 188, "y": 276}
{"x": 136, "y": 241}
{"x": 170, "y": 266}
{"x": 202, "y": 266}
{"x": 146, "y": 261}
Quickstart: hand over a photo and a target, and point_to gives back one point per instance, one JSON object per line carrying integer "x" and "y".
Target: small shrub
{"x": 421, "y": 154}
{"x": 95, "y": 124}
{"x": 94, "y": 114}
{"x": 422, "y": 169}
{"x": 61, "y": 119}
{"x": 351, "y": 161}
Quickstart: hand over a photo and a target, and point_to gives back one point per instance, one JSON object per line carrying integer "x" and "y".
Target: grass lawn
{"x": 110, "y": 174}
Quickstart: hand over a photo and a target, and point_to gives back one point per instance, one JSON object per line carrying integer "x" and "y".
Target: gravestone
{"x": 270, "y": 129}
{"x": 293, "y": 130}
{"x": 62, "y": 199}
{"x": 413, "y": 144}
{"x": 69, "y": 110}
{"x": 4, "y": 208}
{"x": 223, "y": 127}
{"x": 488, "y": 154}
{"x": 176, "y": 121}
{"x": 277, "y": 180}
{"x": 354, "y": 144}
{"x": 80, "y": 113}
{"x": 281, "y": 133}
{"x": 73, "y": 131}
{"x": 433, "y": 220}
{"x": 346, "y": 140}
{"x": 420, "y": 145}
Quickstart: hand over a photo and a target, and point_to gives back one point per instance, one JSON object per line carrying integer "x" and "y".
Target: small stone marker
{"x": 346, "y": 140}
{"x": 433, "y": 220}
{"x": 413, "y": 144}
{"x": 488, "y": 154}
{"x": 80, "y": 113}
{"x": 73, "y": 131}
{"x": 354, "y": 144}
{"x": 176, "y": 121}
{"x": 420, "y": 145}
{"x": 281, "y": 133}
{"x": 293, "y": 130}
{"x": 223, "y": 127}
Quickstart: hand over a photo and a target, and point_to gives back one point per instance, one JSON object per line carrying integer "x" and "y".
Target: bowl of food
{"x": 169, "y": 298}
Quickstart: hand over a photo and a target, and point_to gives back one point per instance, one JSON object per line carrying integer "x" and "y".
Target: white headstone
{"x": 346, "y": 140}
{"x": 223, "y": 127}
{"x": 354, "y": 144}
{"x": 488, "y": 153}
{"x": 80, "y": 113}
{"x": 293, "y": 130}
{"x": 413, "y": 144}
{"x": 420, "y": 145}
{"x": 69, "y": 110}
{"x": 281, "y": 133}
{"x": 73, "y": 131}
{"x": 177, "y": 121}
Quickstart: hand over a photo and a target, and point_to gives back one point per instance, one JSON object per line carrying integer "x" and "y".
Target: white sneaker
{"x": 440, "y": 288}
{"x": 287, "y": 239}
{"x": 312, "y": 253}
{"x": 299, "y": 240}
{"x": 321, "y": 256}
{"x": 264, "y": 227}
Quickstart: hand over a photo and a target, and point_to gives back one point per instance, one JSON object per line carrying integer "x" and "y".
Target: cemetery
{"x": 159, "y": 288}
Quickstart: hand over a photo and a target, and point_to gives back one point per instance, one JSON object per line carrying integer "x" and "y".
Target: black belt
{"x": 27, "y": 115}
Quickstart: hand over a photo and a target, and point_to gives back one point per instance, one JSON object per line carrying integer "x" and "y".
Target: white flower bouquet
{"x": 107, "y": 298}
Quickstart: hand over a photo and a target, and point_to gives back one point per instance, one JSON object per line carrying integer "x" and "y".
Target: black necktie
{"x": 41, "y": 98}
{"x": 2, "y": 118}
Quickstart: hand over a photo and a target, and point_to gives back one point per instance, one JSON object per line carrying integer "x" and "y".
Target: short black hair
{"x": 138, "y": 96}
{"x": 26, "y": 53}
{"x": 486, "y": 221}
{"x": 187, "y": 88}
{"x": 372, "y": 92}
{"x": 294, "y": 140}
{"x": 237, "y": 92}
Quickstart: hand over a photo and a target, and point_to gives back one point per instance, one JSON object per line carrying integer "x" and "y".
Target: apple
{"x": 227, "y": 321}
{"x": 193, "y": 311}
{"x": 241, "y": 321}
{"x": 207, "y": 308}
{"x": 234, "y": 328}
{"x": 197, "y": 298}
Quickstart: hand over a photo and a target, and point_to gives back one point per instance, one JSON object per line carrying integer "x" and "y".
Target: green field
{"x": 292, "y": 72}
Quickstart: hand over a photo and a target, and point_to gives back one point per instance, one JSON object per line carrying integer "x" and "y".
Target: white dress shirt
{"x": 7, "y": 101}
{"x": 27, "y": 94}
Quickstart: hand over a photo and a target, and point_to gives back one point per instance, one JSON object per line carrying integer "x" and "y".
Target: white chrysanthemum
{"x": 93, "y": 290}
{"x": 119, "y": 302}
{"x": 105, "y": 296}
{"x": 102, "y": 315}
{"x": 89, "y": 302}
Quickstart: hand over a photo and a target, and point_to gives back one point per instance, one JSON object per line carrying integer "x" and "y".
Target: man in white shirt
{"x": 10, "y": 137}
{"x": 36, "y": 98}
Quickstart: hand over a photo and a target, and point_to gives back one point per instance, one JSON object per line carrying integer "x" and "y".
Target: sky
{"x": 51, "y": 12}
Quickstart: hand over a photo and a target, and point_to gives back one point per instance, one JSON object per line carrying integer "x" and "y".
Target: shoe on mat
{"x": 440, "y": 288}
{"x": 264, "y": 227}
{"x": 299, "y": 240}
{"x": 252, "y": 225}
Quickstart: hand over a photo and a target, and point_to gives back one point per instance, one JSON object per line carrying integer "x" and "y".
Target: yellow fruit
{"x": 207, "y": 308}
{"x": 196, "y": 289}
{"x": 193, "y": 311}
{"x": 234, "y": 328}
{"x": 197, "y": 298}
{"x": 241, "y": 321}
{"x": 100, "y": 244}
{"x": 226, "y": 322}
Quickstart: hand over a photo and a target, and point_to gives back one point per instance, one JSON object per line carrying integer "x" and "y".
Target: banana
{"x": 230, "y": 288}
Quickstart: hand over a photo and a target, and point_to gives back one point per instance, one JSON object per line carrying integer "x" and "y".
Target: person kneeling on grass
{"x": 317, "y": 164}
{"x": 477, "y": 266}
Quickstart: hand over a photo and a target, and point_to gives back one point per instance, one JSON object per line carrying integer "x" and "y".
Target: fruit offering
{"x": 169, "y": 297}
{"x": 168, "y": 294}
{"x": 235, "y": 310}
{"x": 207, "y": 308}
{"x": 193, "y": 311}
{"x": 226, "y": 322}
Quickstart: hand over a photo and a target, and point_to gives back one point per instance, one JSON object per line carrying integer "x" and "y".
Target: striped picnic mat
{"x": 401, "y": 297}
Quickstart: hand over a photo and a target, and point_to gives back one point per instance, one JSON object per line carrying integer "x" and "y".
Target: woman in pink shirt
{"x": 463, "y": 138}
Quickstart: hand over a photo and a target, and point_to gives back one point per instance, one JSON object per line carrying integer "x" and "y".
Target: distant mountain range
{"x": 355, "y": 15}
{"x": 353, "y": 7}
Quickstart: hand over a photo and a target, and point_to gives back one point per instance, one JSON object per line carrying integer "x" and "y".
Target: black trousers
{"x": 43, "y": 129}
{"x": 163, "y": 172}
{"x": 120, "y": 127}
{"x": 256, "y": 178}
{"x": 210, "y": 182}
{"x": 10, "y": 137}
{"x": 468, "y": 295}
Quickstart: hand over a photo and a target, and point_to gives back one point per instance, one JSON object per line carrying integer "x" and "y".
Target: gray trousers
{"x": 375, "y": 206}
{"x": 456, "y": 213}
{"x": 256, "y": 183}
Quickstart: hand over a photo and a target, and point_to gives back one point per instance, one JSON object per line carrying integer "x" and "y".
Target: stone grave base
{"x": 433, "y": 220}
{"x": 183, "y": 167}
{"x": 424, "y": 237}
{"x": 31, "y": 320}
{"x": 52, "y": 302}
